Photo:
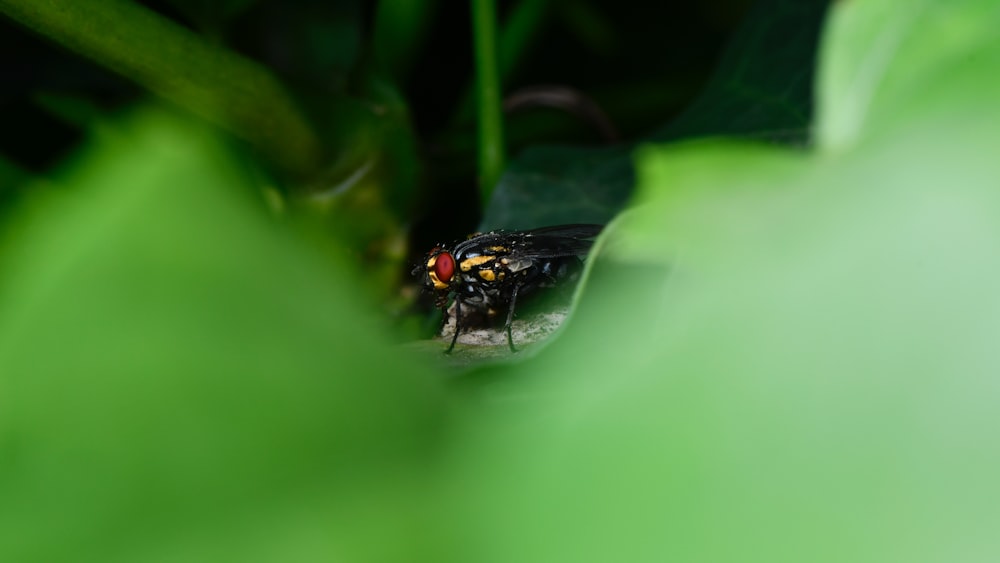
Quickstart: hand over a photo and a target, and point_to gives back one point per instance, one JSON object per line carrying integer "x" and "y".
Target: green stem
{"x": 171, "y": 61}
{"x": 515, "y": 37}
{"x": 490, "y": 146}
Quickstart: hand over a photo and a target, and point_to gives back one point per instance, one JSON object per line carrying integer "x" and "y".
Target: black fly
{"x": 489, "y": 271}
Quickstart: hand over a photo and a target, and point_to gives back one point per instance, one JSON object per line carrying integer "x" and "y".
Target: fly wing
{"x": 546, "y": 242}
{"x": 562, "y": 240}
{"x": 569, "y": 231}
{"x": 484, "y": 242}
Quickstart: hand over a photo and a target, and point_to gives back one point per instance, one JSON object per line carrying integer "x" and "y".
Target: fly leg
{"x": 510, "y": 318}
{"x": 458, "y": 319}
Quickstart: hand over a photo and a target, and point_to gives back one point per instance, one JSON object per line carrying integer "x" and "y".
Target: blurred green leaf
{"x": 793, "y": 360}
{"x": 319, "y": 44}
{"x": 168, "y": 59}
{"x": 12, "y": 177}
{"x": 365, "y": 197}
{"x": 780, "y": 355}
{"x": 181, "y": 378}
{"x": 881, "y": 55}
{"x": 74, "y": 110}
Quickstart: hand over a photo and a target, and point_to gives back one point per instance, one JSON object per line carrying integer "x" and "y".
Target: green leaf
{"x": 171, "y": 61}
{"x": 879, "y": 55}
{"x": 781, "y": 356}
{"x": 185, "y": 379}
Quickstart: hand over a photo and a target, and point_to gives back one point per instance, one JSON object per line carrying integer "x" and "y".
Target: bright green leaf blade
{"x": 813, "y": 380}
{"x": 182, "y": 379}
{"x": 881, "y": 54}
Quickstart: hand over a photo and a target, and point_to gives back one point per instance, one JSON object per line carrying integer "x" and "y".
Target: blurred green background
{"x": 784, "y": 349}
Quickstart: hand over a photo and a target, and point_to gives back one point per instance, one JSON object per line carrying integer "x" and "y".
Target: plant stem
{"x": 519, "y": 31}
{"x": 171, "y": 61}
{"x": 490, "y": 146}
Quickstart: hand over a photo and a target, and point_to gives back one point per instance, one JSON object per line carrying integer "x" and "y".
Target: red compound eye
{"x": 444, "y": 267}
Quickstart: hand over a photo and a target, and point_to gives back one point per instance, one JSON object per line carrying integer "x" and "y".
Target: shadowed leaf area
{"x": 761, "y": 89}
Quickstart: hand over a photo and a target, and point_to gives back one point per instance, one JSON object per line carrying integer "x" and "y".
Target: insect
{"x": 488, "y": 272}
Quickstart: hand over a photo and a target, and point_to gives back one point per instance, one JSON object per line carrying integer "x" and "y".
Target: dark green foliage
{"x": 763, "y": 86}
{"x": 762, "y": 90}
{"x": 561, "y": 185}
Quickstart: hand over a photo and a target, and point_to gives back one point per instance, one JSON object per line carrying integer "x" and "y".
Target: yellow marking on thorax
{"x": 499, "y": 249}
{"x": 487, "y": 275}
{"x": 470, "y": 263}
